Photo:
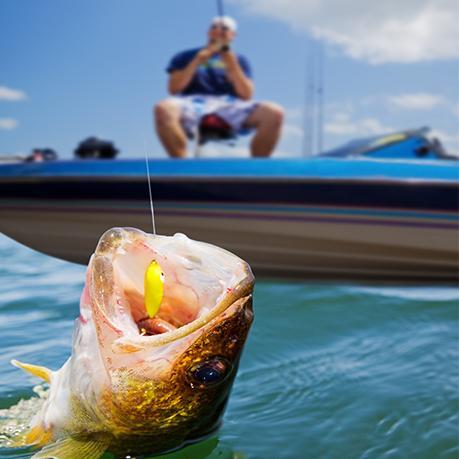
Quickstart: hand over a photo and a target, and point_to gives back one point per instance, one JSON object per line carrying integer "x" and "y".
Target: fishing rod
{"x": 220, "y": 14}
{"x": 220, "y": 8}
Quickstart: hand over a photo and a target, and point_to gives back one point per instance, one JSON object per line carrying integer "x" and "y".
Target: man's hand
{"x": 242, "y": 85}
{"x": 206, "y": 53}
{"x": 180, "y": 79}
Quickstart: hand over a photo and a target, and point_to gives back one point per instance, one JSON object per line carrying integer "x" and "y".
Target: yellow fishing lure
{"x": 154, "y": 288}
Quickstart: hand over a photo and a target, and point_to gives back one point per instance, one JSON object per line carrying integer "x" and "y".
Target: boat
{"x": 8, "y": 159}
{"x": 351, "y": 217}
{"x": 409, "y": 144}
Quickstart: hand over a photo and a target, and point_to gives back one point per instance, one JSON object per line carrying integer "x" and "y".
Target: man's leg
{"x": 267, "y": 119}
{"x": 169, "y": 129}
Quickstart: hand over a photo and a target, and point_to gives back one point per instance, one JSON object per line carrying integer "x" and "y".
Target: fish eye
{"x": 210, "y": 372}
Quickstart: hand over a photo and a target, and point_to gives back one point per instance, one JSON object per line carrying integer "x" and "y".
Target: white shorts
{"x": 231, "y": 109}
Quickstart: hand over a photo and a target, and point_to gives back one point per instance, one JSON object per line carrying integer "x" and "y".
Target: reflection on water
{"x": 329, "y": 371}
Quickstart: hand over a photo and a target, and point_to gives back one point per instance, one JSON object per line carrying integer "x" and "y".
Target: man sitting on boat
{"x": 215, "y": 80}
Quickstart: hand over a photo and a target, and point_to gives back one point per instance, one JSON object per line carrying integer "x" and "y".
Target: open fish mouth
{"x": 201, "y": 282}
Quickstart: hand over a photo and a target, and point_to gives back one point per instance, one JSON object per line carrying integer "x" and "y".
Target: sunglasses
{"x": 222, "y": 27}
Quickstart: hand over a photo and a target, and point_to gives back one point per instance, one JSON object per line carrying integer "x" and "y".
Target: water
{"x": 329, "y": 371}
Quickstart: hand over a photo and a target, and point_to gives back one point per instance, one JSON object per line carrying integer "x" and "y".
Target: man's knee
{"x": 271, "y": 113}
{"x": 166, "y": 112}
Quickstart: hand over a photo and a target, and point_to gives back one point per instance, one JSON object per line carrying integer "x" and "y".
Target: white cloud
{"x": 292, "y": 131}
{"x": 8, "y": 124}
{"x": 343, "y": 124}
{"x": 416, "y": 101}
{"x": 378, "y": 32}
{"x": 294, "y": 114}
{"x": 11, "y": 95}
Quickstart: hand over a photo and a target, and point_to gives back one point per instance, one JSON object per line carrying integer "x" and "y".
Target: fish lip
{"x": 113, "y": 241}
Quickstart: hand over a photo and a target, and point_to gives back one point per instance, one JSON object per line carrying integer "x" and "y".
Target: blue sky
{"x": 95, "y": 67}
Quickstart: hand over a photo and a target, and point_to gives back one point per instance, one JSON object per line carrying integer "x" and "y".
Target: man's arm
{"x": 243, "y": 85}
{"x": 180, "y": 79}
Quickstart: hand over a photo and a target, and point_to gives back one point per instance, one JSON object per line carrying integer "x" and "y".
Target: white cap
{"x": 225, "y": 21}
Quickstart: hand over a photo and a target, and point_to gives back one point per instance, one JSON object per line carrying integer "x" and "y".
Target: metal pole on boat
{"x": 320, "y": 96}
{"x": 306, "y": 126}
{"x": 309, "y": 109}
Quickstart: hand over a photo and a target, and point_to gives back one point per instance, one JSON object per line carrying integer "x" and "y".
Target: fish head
{"x": 170, "y": 386}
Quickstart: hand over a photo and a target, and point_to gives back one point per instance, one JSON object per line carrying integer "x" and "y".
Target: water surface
{"x": 329, "y": 371}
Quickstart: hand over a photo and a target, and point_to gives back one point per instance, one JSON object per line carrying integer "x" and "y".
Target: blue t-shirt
{"x": 210, "y": 77}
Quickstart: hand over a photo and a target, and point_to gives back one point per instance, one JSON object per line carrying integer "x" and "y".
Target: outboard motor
{"x": 95, "y": 148}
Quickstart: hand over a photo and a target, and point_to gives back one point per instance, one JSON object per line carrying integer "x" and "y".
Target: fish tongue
{"x": 175, "y": 312}
{"x": 155, "y": 326}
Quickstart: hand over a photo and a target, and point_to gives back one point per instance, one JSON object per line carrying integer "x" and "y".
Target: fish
{"x": 130, "y": 389}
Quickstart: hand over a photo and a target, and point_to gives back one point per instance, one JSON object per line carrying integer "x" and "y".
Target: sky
{"x": 71, "y": 69}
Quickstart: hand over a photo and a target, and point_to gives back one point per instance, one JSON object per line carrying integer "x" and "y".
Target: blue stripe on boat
{"x": 321, "y": 168}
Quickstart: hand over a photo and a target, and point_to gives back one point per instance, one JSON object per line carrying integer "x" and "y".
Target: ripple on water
{"x": 329, "y": 371}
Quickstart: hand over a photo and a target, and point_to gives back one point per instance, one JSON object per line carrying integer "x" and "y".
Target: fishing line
{"x": 150, "y": 193}
{"x": 221, "y": 13}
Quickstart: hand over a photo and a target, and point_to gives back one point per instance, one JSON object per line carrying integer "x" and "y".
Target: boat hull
{"x": 303, "y": 226}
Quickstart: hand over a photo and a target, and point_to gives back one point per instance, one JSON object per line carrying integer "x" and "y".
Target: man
{"x": 215, "y": 80}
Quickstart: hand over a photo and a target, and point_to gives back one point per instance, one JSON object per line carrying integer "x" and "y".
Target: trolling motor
{"x": 95, "y": 148}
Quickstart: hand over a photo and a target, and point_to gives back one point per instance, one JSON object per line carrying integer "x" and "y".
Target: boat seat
{"x": 214, "y": 128}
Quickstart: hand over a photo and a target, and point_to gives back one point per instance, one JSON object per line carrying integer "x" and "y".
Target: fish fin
{"x": 38, "y": 435}
{"x": 36, "y": 370}
{"x": 74, "y": 448}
